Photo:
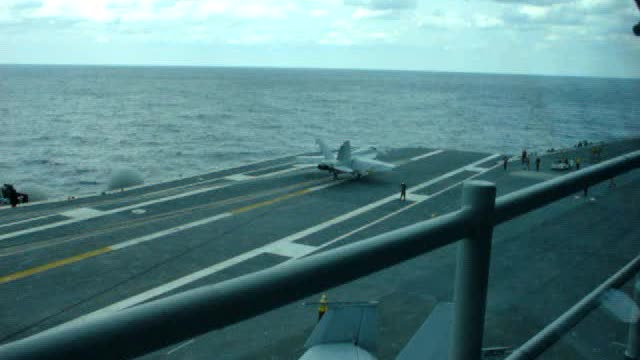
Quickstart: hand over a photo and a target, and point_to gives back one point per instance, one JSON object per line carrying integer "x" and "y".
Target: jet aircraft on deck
{"x": 358, "y": 163}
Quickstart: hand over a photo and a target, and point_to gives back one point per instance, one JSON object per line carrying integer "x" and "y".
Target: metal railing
{"x": 151, "y": 326}
{"x": 554, "y": 331}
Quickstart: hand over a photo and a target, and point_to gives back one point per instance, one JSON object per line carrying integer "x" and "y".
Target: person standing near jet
{"x": 403, "y": 191}
{"x": 322, "y": 308}
{"x": 12, "y": 194}
{"x": 504, "y": 162}
{"x": 537, "y": 164}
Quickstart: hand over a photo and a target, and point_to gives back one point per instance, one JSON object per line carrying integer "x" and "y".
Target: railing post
{"x": 633, "y": 344}
{"x": 472, "y": 273}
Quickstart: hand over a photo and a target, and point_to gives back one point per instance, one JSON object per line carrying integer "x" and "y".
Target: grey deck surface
{"x": 56, "y": 266}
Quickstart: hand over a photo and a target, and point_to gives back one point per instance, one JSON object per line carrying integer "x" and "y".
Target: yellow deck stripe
{"x": 90, "y": 254}
{"x": 268, "y": 202}
{"x": 53, "y": 265}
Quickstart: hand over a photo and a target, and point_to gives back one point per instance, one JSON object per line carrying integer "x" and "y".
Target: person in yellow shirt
{"x": 323, "y": 306}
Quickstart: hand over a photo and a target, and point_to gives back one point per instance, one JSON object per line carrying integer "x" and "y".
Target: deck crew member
{"x": 403, "y": 191}
{"x": 323, "y": 306}
{"x": 10, "y": 192}
{"x": 537, "y": 164}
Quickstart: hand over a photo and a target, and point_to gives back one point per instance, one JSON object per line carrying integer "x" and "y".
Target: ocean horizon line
{"x": 264, "y": 67}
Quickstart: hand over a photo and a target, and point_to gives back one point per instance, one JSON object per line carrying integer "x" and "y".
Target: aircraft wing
{"x": 371, "y": 165}
{"x": 368, "y": 153}
{"x": 310, "y": 159}
{"x": 343, "y": 169}
{"x": 431, "y": 341}
{"x": 342, "y": 351}
{"x": 351, "y": 324}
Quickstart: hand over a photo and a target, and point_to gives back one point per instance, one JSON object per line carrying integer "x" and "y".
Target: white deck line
{"x": 82, "y": 213}
{"x": 279, "y": 172}
{"x": 28, "y": 220}
{"x": 239, "y": 177}
{"x": 436, "y": 152}
{"x": 185, "y": 280}
{"x": 402, "y": 209}
{"x": 290, "y": 249}
{"x": 170, "y": 231}
{"x": 163, "y": 289}
{"x": 188, "y": 342}
{"x": 206, "y": 173}
{"x": 476, "y": 169}
{"x": 367, "y": 225}
{"x": 236, "y": 177}
{"x": 417, "y": 197}
{"x": 107, "y": 212}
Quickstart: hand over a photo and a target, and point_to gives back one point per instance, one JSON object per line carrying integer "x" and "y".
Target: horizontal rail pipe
{"x": 151, "y": 326}
{"x": 554, "y": 331}
{"x": 522, "y": 201}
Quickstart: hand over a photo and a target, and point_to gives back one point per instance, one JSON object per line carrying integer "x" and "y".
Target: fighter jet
{"x": 636, "y": 28}
{"x": 348, "y": 331}
{"x": 359, "y": 163}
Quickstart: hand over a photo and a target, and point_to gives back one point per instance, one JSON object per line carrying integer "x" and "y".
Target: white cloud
{"x": 251, "y": 39}
{"x": 258, "y": 11}
{"x": 382, "y": 4}
{"x": 445, "y": 20}
{"x": 318, "y": 12}
{"x": 534, "y": 12}
{"x": 335, "y": 38}
{"x": 364, "y": 13}
{"x": 506, "y": 28}
{"x": 90, "y": 10}
{"x": 486, "y": 21}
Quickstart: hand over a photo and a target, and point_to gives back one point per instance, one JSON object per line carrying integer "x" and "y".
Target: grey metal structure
{"x": 118, "y": 334}
{"x": 633, "y": 344}
{"x": 344, "y": 324}
{"x": 554, "y": 331}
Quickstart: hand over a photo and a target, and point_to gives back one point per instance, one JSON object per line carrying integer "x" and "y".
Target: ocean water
{"x": 66, "y": 128}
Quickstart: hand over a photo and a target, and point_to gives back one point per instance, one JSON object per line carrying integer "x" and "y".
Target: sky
{"x": 549, "y": 37}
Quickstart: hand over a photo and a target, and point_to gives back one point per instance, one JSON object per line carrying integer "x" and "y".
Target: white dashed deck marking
{"x": 186, "y": 343}
{"x": 476, "y": 169}
{"x": 167, "y": 232}
{"x": 82, "y": 213}
{"x": 290, "y": 249}
{"x": 239, "y": 177}
{"x": 106, "y": 212}
{"x": 417, "y": 197}
{"x": 436, "y": 152}
{"x": 27, "y": 220}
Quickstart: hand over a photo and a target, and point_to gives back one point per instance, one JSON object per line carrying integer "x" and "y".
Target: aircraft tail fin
{"x": 354, "y": 323}
{"x": 324, "y": 149}
{"x": 344, "y": 154}
{"x": 431, "y": 341}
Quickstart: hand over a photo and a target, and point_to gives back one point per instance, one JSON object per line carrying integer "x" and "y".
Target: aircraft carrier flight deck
{"x": 62, "y": 260}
